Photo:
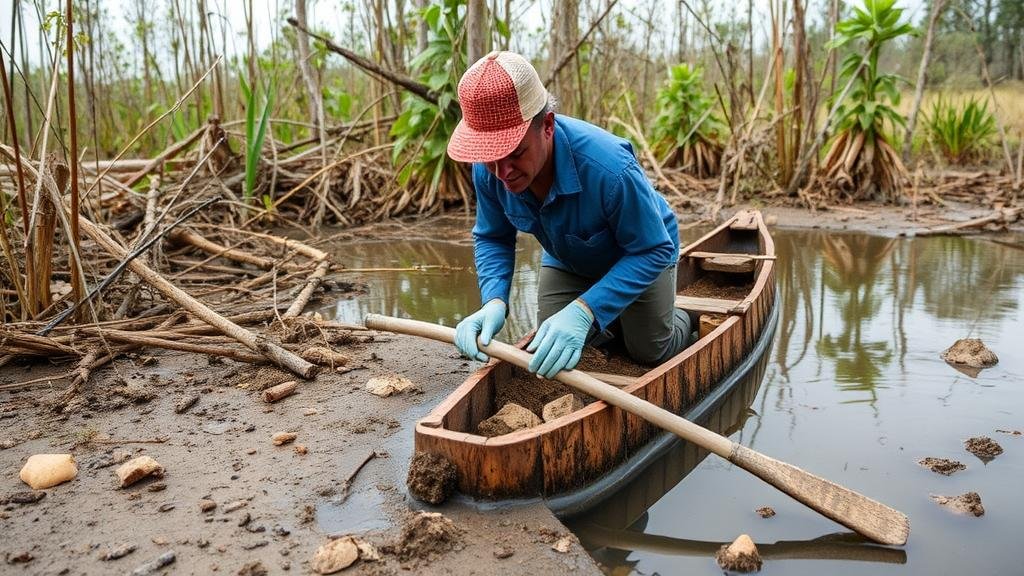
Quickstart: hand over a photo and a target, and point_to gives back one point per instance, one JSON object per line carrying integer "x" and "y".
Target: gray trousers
{"x": 652, "y": 329}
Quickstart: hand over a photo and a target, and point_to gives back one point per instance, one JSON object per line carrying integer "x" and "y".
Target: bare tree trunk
{"x": 750, "y": 51}
{"x": 922, "y": 77}
{"x": 564, "y": 34}
{"x": 316, "y": 110}
{"x": 681, "y": 16}
{"x": 800, "y": 100}
{"x": 421, "y": 27}
{"x": 477, "y": 30}
{"x": 833, "y": 21}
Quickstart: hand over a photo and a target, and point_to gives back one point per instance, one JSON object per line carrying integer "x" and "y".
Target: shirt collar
{"x": 567, "y": 179}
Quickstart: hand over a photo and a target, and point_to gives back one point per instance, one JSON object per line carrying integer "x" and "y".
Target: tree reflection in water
{"x": 851, "y": 285}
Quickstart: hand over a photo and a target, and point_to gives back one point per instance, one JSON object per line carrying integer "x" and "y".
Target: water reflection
{"x": 854, "y": 391}
{"x": 444, "y": 290}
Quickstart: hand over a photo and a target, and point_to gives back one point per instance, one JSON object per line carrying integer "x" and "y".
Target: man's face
{"x": 518, "y": 170}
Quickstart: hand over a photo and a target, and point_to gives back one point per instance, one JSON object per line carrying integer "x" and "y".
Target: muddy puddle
{"x": 853, "y": 389}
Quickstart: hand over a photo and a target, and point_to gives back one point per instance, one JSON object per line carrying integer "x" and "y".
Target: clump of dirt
{"x": 425, "y": 535}
{"x": 740, "y": 556}
{"x": 259, "y": 378}
{"x": 967, "y": 503}
{"x": 970, "y": 352}
{"x": 432, "y": 478}
{"x": 983, "y": 447}
{"x": 766, "y": 511}
{"x": 942, "y": 465}
{"x": 715, "y": 286}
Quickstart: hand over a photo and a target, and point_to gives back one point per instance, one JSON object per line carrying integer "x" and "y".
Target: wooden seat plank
{"x": 730, "y": 264}
{"x": 711, "y": 305}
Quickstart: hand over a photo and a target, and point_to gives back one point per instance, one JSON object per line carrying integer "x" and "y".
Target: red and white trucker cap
{"x": 499, "y": 95}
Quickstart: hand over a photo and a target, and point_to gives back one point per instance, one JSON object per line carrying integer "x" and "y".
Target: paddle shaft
{"x": 861, "y": 514}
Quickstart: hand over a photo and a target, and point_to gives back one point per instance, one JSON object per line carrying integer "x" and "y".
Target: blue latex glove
{"x": 485, "y": 323}
{"x": 559, "y": 340}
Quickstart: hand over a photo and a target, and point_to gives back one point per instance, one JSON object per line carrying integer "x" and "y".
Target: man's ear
{"x": 549, "y": 125}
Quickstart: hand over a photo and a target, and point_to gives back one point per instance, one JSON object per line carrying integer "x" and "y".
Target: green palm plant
{"x": 422, "y": 130}
{"x": 686, "y": 131}
{"x": 861, "y": 162}
{"x": 961, "y": 133}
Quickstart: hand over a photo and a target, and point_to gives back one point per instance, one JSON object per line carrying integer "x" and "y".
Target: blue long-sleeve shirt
{"x": 600, "y": 220}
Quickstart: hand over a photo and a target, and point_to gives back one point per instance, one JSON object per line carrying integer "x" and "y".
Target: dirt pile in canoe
{"x": 719, "y": 286}
{"x": 521, "y": 399}
{"x": 533, "y": 393}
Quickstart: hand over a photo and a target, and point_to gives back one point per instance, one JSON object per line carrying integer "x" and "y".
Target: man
{"x": 610, "y": 241}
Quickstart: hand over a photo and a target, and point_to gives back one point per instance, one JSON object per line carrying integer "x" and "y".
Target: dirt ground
{"x": 873, "y": 218}
{"x": 274, "y": 505}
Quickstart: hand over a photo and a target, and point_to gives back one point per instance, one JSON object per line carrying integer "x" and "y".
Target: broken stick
{"x": 256, "y": 342}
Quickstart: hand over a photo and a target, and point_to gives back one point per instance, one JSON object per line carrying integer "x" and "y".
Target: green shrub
{"x": 682, "y": 104}
{"x": 961, "y": 133}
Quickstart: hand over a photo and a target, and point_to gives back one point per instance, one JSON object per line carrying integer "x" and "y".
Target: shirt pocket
{"x": 597, "y": 246}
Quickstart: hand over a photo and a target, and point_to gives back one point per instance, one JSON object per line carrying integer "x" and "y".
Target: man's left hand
{"x": 559, "y": 340}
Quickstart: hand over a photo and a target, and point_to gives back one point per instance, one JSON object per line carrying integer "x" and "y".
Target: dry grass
{"x": 1009, "y": 107}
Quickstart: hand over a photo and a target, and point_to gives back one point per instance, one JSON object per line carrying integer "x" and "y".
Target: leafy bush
{"x": 961, "y": 133}
{"x": 686, "y": 130}
{"x": 861, "y": 162}
{"x": 422, "y": 130}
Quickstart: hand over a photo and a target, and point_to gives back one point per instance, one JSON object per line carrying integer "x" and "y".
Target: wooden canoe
{"x": 576, "y": 461}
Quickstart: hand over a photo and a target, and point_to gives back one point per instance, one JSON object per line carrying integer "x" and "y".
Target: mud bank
{"x": 230, "y": 497}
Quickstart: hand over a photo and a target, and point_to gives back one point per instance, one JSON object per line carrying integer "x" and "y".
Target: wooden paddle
{"x": 857, "y": 512}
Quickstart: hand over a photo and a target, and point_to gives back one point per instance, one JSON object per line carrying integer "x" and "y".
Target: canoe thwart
{"x": 711, "y": 305}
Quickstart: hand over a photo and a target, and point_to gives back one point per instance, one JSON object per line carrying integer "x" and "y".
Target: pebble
{"x": 300, "y": 449}
{"x": 740, "y": 556}
{"x": 206, "y": 505}
{"x": 153, "y": 566}
{"x": 390, "y": 384}
{"x": 131, "y": 472}
{"x": 48, "y": 470}
{"x": 335, "y": 556}
{"x": 118, "y": 552}
{"x": 157, "y": 487}
{"x": 237, "y": 504}
{"x": 185, "y": 403}
{"x": 562, "y": 544}
{"x": 282, "y": 438}
{"x": 504, "y": 552}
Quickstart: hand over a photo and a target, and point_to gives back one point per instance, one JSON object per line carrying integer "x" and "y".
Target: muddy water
{"x": 853, "y": 390}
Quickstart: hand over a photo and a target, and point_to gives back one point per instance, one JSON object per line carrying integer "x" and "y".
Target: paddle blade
{"x": 857, "y": 512}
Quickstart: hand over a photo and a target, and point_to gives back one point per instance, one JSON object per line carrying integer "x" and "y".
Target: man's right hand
{"x": 485, "y": 323}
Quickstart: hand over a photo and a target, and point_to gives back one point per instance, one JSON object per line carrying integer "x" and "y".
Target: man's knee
{"x": 660, "y": 348}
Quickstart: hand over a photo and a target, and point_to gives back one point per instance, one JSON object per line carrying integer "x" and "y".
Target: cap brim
{"x": 469, "y": 145}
